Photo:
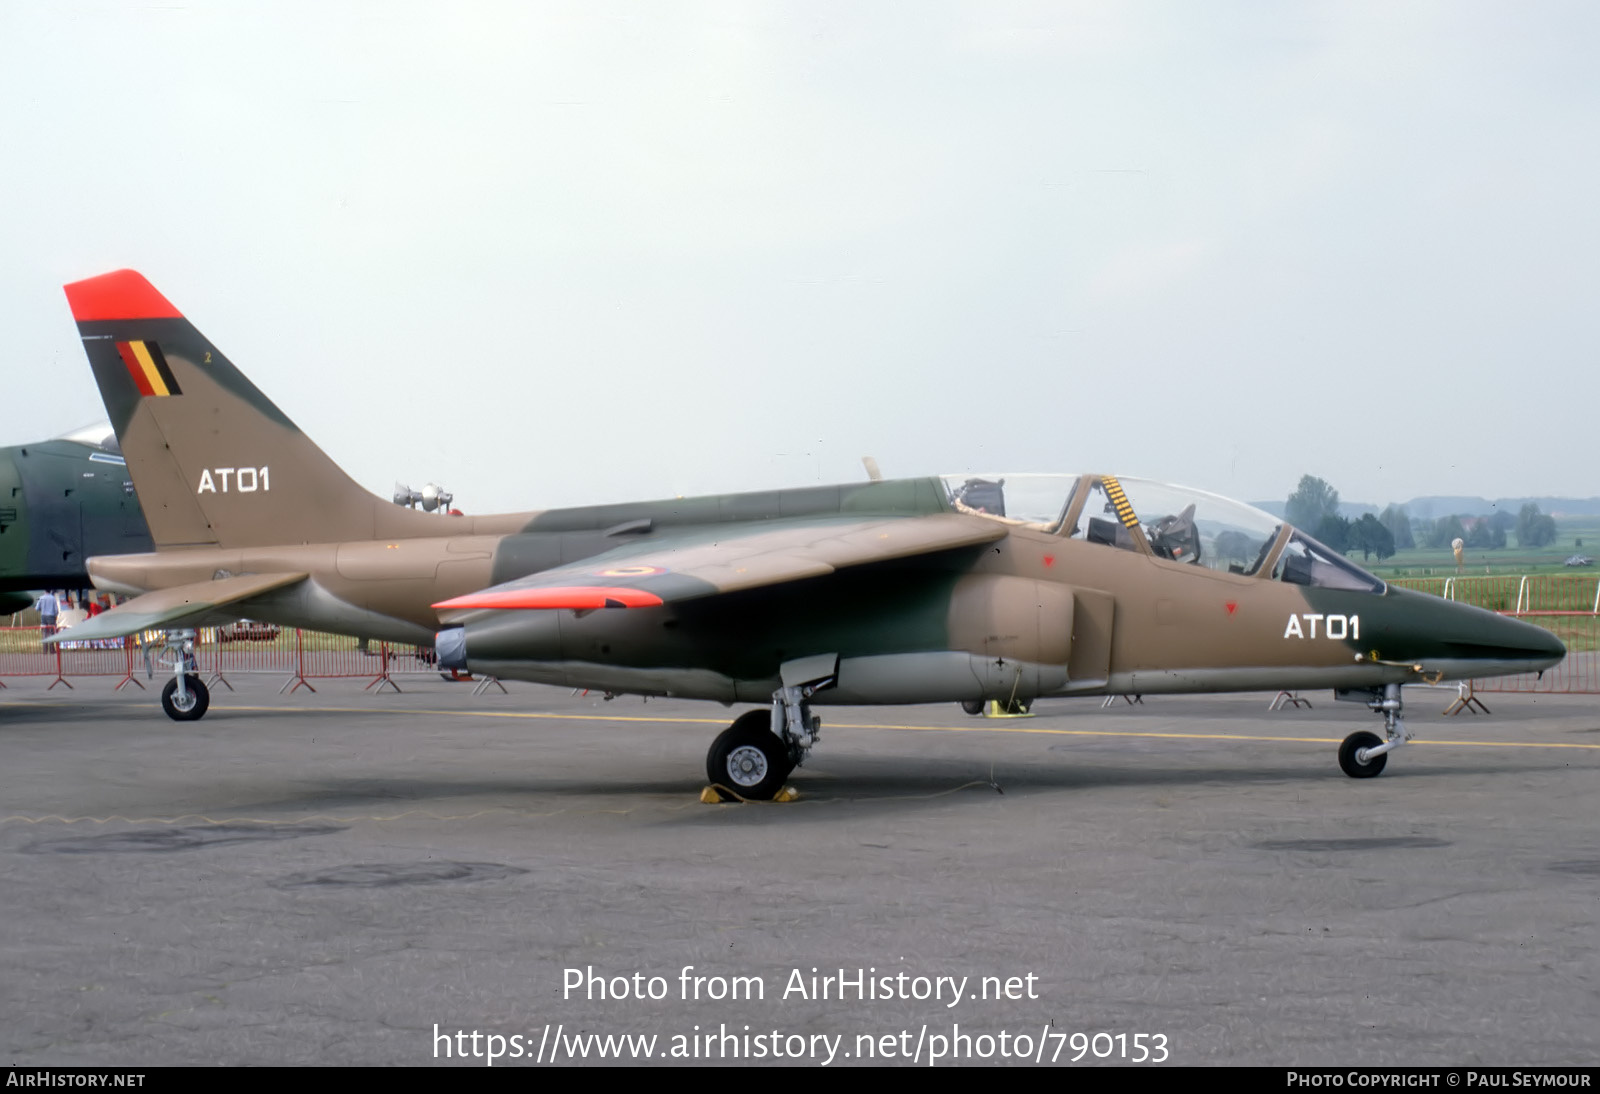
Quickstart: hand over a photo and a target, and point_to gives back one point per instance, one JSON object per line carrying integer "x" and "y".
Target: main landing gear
{"x": 185, "y": 698}
{"x": 1363, "y": 755}
{"x": 749, "y": 759}
{"x": 754, "y": 757}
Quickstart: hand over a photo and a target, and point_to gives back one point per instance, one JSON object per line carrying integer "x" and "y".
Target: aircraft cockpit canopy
{"x": 1178, "y": 524}
{"x": 1306, "y": 562}
{"x": 1175, "y": 523}
{"x": 1035, "y": 501}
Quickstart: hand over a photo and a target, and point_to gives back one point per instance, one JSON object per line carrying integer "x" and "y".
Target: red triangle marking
{"x": 1049, "y": 560}
{"x": 1232, "y": 604}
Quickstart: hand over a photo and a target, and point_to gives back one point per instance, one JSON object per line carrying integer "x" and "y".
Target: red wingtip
{"x": 121, "y": 295}
{"x": 579, "y": 597}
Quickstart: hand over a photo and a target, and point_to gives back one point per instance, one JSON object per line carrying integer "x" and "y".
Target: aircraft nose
{"x": 1516, "y": 639}
{"x": 1521, "y": 645}
{"x": 1543, "y": 645}
{"x": 1467, "y": 641}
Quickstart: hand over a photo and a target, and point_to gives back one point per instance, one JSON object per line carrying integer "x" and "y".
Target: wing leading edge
{"x": 724, "y": 560}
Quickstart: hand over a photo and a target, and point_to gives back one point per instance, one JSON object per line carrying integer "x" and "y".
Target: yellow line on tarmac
{"x": 914, "y": 728}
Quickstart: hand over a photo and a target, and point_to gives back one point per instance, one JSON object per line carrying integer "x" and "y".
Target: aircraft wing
{"x": 179, "y": 606}
{"x": 727, "y": 559}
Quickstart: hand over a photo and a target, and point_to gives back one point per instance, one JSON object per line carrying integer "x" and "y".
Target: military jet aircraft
{"x": 61, "y": 501}
{"x": 947, "y": 588}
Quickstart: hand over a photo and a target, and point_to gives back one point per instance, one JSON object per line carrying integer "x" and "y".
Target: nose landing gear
{"x": 1363, "y": 755}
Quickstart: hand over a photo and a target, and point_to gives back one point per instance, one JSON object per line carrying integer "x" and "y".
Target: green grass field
{"x": 1440, "y": 562}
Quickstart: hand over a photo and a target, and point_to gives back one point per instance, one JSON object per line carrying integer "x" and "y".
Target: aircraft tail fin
{"x": 213, "y": 460}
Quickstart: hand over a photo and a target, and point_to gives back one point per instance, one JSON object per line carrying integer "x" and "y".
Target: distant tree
{"x": 1502, "y": 522}
{"x": 1484, "y": 535}
{"x": 1235, "y": 546}
{"x": 1312, "y": 500}
{"x": 1334, "y": 531}
{"x": 1535, "y": 529}
{"x": 1371, "y": 537}
{"x": 1398, "y": 522}
{"x": 1445, "y": 531}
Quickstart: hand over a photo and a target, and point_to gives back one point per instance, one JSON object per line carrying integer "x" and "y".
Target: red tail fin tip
{"x": 124, "y": 294}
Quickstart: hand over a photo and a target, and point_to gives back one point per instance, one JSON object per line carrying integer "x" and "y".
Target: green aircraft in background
{"x": 61, "y": 502}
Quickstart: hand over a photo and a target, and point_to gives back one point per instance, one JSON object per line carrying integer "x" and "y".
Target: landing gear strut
{"x": 752, "y": 758}
{"x": 1363, "y": 755}
{"x": 185, "y": 698}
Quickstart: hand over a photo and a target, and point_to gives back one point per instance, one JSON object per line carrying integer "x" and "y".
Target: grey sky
{"x": 547, "y": 254}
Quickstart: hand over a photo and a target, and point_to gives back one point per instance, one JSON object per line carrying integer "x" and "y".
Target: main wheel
{"x": 192, "y": 706}
{"x": 973, "y": 707}
{"x": 1353, "y": 766}
{"x": 748, "y": 758}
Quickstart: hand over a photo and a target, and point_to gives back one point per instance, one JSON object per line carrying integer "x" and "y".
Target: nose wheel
{"x": 1355, "y": 755}
{"x": 1363, "y": 755}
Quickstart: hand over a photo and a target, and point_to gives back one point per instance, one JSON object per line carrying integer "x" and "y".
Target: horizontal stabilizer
{"x": 179, "y": 606}
{"x": 724, "y": 559}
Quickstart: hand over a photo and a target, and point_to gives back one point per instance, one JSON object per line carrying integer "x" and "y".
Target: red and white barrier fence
{"x": 1566, "y": 604}
{"x": 253, "y": 649}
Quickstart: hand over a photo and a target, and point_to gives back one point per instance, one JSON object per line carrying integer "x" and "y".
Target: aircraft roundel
{"x": 631, "y": 571}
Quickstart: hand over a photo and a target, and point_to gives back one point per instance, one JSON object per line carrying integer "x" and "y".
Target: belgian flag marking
{"x": 148, "y": 368}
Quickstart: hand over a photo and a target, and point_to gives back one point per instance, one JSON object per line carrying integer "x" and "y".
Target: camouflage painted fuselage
{"x": 1031, "y": 613}
{"x": 921, "y": 588}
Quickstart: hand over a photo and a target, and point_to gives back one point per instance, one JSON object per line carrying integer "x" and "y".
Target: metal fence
{"x": 1514, "y": 594}
{"x": 298, "y": 656}
{"x": 22, "y": 653}
{"x": 1566, "y": 604}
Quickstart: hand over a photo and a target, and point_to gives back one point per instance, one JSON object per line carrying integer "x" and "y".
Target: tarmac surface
{"x": 349, "y": 877}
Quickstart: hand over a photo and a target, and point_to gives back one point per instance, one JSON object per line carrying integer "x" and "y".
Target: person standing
{"x": 49, "y": 607}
